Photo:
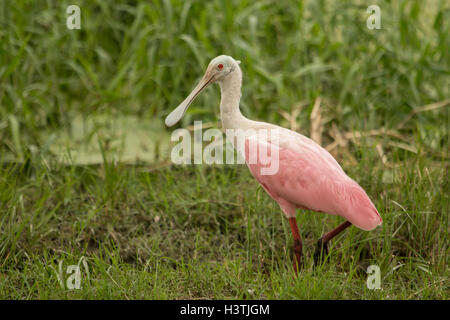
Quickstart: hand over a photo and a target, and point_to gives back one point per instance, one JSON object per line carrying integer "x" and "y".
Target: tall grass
{"x": 211, "y": 232}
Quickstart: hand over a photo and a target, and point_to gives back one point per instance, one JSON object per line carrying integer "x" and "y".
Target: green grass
{"x": 161, "y": 231}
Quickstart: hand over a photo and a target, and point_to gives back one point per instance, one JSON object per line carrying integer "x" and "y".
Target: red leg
{"x": 322, "y": 244}
{"x": 297, "y": 244}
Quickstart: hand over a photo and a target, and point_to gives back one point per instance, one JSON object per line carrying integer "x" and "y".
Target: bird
{"x": 308, "y": 177}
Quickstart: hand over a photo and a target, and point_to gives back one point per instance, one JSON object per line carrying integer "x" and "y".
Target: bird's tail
{"x": 361, "y": 212}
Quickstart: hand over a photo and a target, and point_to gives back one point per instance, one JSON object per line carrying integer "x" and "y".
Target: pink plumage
{"x": 309, "y": 179}
{"x": 306, "y": 175}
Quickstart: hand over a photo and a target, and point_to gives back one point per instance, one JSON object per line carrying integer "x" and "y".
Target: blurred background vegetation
{"x": 72, "y": 102}
{"x": 139, "y": 59}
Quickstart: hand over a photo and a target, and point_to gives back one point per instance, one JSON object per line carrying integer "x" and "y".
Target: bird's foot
{"x": 321, "y": 252}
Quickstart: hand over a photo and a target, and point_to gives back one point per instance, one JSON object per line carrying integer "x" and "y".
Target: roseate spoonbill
{"x": 308, "y": 176}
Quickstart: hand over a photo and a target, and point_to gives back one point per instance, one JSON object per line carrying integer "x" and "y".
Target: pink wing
{"x": 307, "y": 180}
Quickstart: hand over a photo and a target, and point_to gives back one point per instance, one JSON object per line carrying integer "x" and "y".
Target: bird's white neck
{"x": 230, "y": 90}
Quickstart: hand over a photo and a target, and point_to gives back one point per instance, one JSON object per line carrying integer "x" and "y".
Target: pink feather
{"x": 310, "y": 180}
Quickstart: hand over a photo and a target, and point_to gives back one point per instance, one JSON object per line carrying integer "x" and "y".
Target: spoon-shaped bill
{"x": 179, "y": 111}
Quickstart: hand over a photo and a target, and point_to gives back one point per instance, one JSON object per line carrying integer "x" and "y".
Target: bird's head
{"x": 218, "y": 70}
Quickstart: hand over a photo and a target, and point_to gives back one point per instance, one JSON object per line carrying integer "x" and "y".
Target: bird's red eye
{"x": 220, "y": 66}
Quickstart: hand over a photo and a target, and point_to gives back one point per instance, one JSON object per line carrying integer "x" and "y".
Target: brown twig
{"x": 428, "y": 107}
{"x": 316, "y": 122}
